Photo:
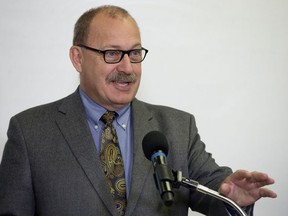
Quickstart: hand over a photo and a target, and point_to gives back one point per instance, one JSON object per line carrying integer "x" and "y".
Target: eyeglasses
{"x": 115, "y": 56}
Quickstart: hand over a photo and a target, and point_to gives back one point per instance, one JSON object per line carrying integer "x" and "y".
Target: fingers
{"x": 265, "y": 192}
{"x": 259, "y": 178}
{"x": 245, "y": 187}
{"x": 240, "y": 175}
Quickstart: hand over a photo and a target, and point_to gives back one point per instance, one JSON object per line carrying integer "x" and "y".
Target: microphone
{"x": 155, "y": 148}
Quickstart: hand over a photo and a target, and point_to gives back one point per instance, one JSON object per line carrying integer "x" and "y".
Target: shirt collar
{"x": 94, "y": 111}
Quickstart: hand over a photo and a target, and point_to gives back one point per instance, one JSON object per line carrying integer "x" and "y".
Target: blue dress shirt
{"x": 122, "y": 124}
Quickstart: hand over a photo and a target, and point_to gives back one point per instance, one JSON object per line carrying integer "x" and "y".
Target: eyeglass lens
{"x": 112, "y": 56}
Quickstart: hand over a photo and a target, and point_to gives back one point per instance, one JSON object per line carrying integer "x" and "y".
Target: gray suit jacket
{"x": 50, "y": 165}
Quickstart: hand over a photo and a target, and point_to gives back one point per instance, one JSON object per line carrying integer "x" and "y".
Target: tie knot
{"x": 108, "y": 117}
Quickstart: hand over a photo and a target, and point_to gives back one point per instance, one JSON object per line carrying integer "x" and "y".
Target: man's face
{"x": 96, "y": 75}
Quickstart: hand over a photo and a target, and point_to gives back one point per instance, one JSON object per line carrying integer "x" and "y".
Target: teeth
{"x": 122, "y": 84}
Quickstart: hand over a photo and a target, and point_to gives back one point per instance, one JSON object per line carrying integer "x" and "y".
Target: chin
{"x": 123, "y": 101}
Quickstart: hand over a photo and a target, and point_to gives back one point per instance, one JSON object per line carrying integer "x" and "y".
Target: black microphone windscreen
{"x": 154, "y": 141}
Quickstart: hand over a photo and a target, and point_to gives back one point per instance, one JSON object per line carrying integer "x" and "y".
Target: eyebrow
{"x": 119, "y": 48}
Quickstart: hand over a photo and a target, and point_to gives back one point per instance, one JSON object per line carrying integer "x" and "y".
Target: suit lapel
{"x": 74, "y": 127}
{"x": 142, "y": 124}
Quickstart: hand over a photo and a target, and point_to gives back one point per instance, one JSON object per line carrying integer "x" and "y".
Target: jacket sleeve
{"x": 203, "y": 168}
{"x": 16, "y": 190}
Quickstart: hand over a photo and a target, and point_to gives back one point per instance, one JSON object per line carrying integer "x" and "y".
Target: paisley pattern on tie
{"x": 112, "y": 163}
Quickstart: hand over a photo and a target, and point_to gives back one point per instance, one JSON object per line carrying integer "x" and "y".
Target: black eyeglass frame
{"x": 122, "y": 51}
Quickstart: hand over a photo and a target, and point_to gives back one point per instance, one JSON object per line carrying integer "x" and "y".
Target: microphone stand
{"x": 179, "y": 180}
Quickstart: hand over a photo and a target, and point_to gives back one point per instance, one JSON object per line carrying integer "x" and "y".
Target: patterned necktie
{"x": 112, "y": 162}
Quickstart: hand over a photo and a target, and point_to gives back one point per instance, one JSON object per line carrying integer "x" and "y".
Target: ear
{"x": 76, "y": 56}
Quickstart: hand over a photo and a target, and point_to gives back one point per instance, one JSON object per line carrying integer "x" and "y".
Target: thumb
{"x": 224, "y": 189}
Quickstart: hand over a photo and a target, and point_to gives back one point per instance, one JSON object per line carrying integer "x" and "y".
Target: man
{"x": 53, "y": 159}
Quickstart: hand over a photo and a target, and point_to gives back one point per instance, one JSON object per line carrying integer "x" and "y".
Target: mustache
{"x": 121, "y": 77}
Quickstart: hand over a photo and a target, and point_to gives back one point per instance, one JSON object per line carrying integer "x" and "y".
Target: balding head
{"x": 82, "y": 25}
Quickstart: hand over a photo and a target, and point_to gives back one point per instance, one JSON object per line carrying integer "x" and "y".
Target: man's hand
{"x": 245, "y": 188}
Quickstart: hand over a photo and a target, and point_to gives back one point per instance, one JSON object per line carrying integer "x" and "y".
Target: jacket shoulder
{"x": 49, "y": 109}
{"x": 161, "y": 110}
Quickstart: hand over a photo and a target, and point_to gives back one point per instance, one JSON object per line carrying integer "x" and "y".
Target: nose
{"x": 125, "y": 65}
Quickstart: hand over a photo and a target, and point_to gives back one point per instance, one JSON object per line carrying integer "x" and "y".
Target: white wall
{"x": 224, "y": 61}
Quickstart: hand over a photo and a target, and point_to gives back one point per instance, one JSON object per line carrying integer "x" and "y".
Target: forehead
{"x": 119, "y": 31}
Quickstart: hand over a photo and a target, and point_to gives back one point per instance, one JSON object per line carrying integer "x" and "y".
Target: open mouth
{"x": 122, "y": 83}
